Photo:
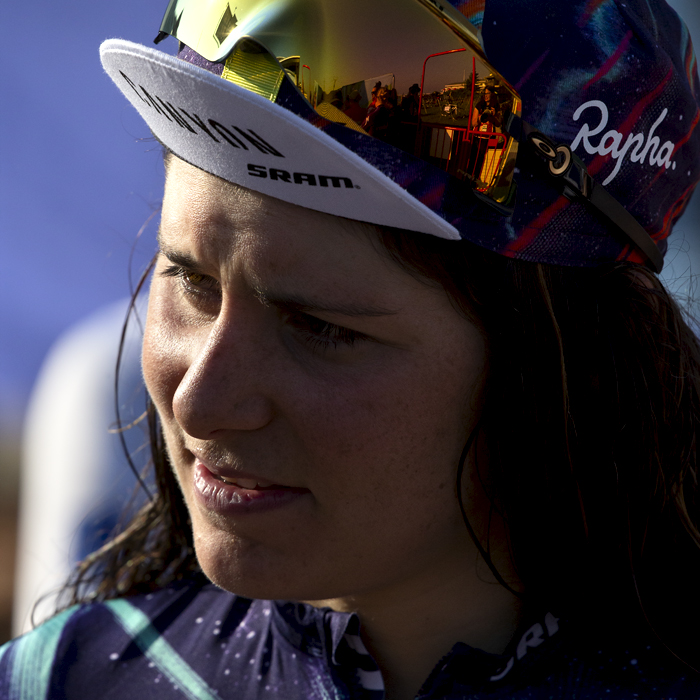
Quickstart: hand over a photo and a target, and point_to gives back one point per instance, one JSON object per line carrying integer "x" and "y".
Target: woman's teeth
{"x": 249, "y": 484}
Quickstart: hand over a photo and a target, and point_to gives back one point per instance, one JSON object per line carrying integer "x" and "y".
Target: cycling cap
{"x": 564, "y": 133}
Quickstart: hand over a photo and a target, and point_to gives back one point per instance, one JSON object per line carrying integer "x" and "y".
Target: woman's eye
{"x": 192, "y": 282}
{"x": 317, "y": 333}
{"x": 322, "y": 334}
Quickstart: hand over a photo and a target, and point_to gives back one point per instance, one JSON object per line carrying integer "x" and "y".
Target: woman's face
{"x": 289, "y": 357}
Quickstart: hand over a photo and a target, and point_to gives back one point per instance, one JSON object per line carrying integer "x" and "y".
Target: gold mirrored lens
{"x": 401, "y": 70}
{"x": 254, "y": 69}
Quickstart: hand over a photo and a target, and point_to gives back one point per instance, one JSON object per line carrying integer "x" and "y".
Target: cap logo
{"x": 192, "y": 121}
{"x": 637, "y": 146}
{"x": 300, "y": 178}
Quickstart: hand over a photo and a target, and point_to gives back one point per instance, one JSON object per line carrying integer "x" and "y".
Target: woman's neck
{"x": 409, "y": 628}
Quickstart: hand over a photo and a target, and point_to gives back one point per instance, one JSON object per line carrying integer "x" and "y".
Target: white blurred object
{"x": 72, "y": 466}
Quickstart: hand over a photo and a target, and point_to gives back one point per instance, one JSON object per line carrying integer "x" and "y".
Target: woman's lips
{"x": 234, "y": 495}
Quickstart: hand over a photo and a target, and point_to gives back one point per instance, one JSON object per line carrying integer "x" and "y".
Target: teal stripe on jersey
{"x": 137, "y": 625}
{"x": 3, "y": 649}
{"x": 33, "y": 657}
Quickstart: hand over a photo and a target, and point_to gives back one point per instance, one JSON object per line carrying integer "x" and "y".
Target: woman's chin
{"x": 249, "y": 569}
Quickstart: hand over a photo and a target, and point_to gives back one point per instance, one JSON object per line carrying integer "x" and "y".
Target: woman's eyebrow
{"x": 297, "y": 303}
{"x": 176, "y": 257}
{"x": 286, "y": 302}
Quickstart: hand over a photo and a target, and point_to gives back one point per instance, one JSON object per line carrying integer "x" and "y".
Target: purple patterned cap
{"x": 615, "y": 81}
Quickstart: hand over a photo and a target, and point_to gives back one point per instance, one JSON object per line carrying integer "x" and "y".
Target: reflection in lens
{"x": 227, "y": 24}
{"x": 425, "y": 88}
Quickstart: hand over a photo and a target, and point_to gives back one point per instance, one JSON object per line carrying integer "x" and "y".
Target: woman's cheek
{"x": 165, "y": 358}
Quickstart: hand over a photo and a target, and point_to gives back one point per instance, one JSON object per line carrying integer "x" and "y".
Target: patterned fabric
{"x": 473, "y": 10}
{"x": 197, "y": 642}
{"x": 617, "y": 81}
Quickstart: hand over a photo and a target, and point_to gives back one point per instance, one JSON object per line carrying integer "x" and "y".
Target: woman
{"x": 407, "y": 464}
{"x": 486, "y": 117}
{"x": 487, "y": 110}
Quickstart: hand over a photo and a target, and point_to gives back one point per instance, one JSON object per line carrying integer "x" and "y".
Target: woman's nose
{"x": 226, "y": 386}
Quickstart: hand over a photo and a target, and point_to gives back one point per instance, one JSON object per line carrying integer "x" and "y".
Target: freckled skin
{"x": 374, "y": 429}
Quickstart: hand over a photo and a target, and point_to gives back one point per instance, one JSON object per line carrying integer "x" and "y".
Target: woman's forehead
{"x": 220, "y": 224}
{"x": 191, "y": 194}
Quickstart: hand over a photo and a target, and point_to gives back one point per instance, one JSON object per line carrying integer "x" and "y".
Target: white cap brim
{"x": 244, "y": 138}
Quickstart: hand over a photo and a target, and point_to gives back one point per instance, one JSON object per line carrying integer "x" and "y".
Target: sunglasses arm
{"x": 578, "y": 184}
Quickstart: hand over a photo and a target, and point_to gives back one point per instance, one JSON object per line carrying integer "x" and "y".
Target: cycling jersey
{"x": 196, "y": 641}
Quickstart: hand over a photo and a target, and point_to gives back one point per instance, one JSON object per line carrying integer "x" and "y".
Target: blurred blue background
{"x": 76, "y": 181}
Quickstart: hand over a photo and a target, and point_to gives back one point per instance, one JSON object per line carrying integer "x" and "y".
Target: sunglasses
{"x": 433, "y": 71}
{"x": 331, "y": 51}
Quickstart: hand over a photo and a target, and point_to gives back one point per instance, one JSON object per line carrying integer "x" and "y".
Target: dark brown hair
{"x": 590, "y": 423}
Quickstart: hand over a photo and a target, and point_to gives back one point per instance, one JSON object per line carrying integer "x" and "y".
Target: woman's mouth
{"x": 241, "y": 495}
